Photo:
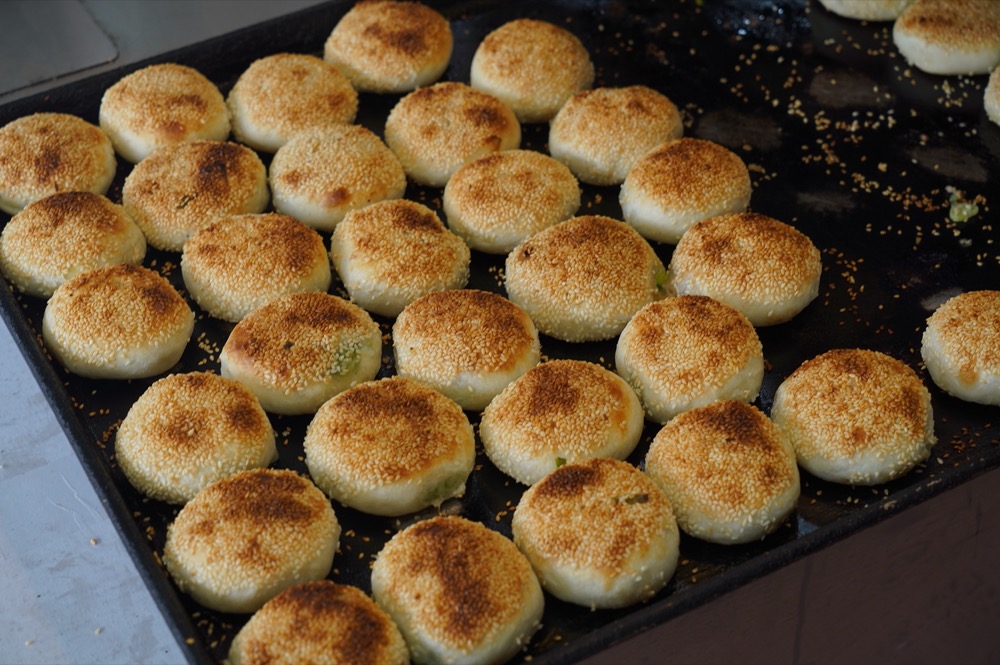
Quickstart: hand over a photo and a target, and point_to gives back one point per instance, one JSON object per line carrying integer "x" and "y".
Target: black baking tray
{"x": 844, "y": 141}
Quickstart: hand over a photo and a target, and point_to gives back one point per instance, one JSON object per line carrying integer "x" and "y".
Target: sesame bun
{"x": 322, "y": 174}
{"x": 282, "y": 94}
{"x": 499, "y": 200}
{"x": 680, "y": 182}
{"x": 299, "y": 350}
{"x": 467, "y": 344}
{"x": 729, "y": 473}
{"x": 764, "y": 268}
{"x": 388, "y": 254}
{"x": 45, "y": 153}
{"x": 866, "y": 10}
{"x": 531, "y": 66}
{"x": 991, "y": 97}
{"x": 583, "y": 279}
{"x": 601, "y": 133}
{"x": 435, "y": 130}
{"x": 950, "y": 36}
{"x": 598, "y": 533}
{"x": 390, "y": 447}
{"x": 246, "y": 538}
{"x": 560, "y": 411}
{"x": 242, "y": 262}
{"x": 856, "y": 417}
{"x": 117, "y": 322}
{"x": 64, "y": 235}
{"x": 686, "y": 352}
{"x": 390, "y": 47}
{"x": 162, "y": 105}
{"x": 961, "y": 347}
{"x": 459, "y": 592}
{"x": 182, "y": 188}
{"x": 319, "y": 622}
{"x": 188, "y": 430}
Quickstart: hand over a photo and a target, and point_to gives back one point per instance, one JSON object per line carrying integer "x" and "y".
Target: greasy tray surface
{"x": 844, "y": 141}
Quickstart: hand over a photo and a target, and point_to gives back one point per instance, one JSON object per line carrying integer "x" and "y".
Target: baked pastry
{"x": 242, "y": 262}
{"x": 961, "y": 346}
{"x": 390, "y": 253}
{"x": 64, "y": 235}
{"x": 497, "y": 201}
{"x": 117, "y": 322}
{"x": 459, "y": 592}
{"x": 188, "y": 430}
{"x": 866, "y": 10}
{"x": 949, "y": 36}
{"x": 182, "y": 188}
{"x": 319, "y": 622}
{"x": 601, "y": 133}
{"x": 766, "y": 269}
{"x": 435, "y": 130}
{"x": 390, "y": 47}
{"x": 160, "y": 105}
{"x": 856, "y": 416}
{"x": 991, "y": 96}
{"x": 681, "y": 182}
{"x": 467, "y": 344}
{"x": 45, "y": 153}
{"x": 279, "y": 95}
{"x": 299, "y": 350}
{"x": 532, "y": 66}
{"x": 686, "y": 352}
{"x": 598, "y": 533}
{"x": 558, "y": 412}
{"x": 728, "y": 471}
{"x": 584, "y": 278}
{"x": 321, "y": 175}
{"x": 390, "y": 447}
{"x": 246, "y": 538}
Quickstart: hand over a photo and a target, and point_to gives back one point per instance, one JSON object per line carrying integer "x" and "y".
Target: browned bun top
{"x": 962, "y": 25}
{"x": 967, "y": 328}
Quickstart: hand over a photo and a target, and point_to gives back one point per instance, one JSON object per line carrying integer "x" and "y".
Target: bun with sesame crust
{"x": 950, "y": 36}
{"x": 961, "y": 346}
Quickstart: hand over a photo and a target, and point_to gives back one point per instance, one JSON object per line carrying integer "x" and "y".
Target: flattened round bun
{"x": 497, "y": 201}
{"x": 598, "y": 533}
{"x": 64, "y": 235}
{"x": 459, "y": 592}
{"x": 242, "y": 262}
{"x": 560, "y": 411}
{"x": 246, "y": 538}
{"x": 856, "y": 416}
{"x": 280, "y": 95}
{"x": 188, "y": 430}
{"x": 467, "y": 344}
{"x": 757, "y": 265}
{"x": 161, "y": 105}
{"x": 601, "y": 133}
{"x": 681, "y": 182}
{"x": 117, "y": 322}
{"x": 991, "y": 97}
{"x": 322, "y": 174}
{"x": 182, "y": 188}
{"x": 390, "y": 447}
{"x": 299, "y": 350}
{"x": 390, "y": 47}
{"x": 728, "y": 471}
{"x": 45, "y": 153}
{"x": 388, "y": 254}
{"x": 435, "y": 130}
{"x": 866, "y": 10}
{"x": 950, "y": 36}
{"x": 583, "y": 279}
{"x": 319, "y": 622}
{"x": 961, "y": 346}
{"x": 532, "y": 66}
{"x": 686, "y": 352}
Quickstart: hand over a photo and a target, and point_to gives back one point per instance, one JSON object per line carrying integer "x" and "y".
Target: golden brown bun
{"x": 45, "y": 153}
{"x": 961, "y": 346}
{"x": 390, "y": 47}
{"x": 727, "y": 470}
{"x": 950, "y": 36}
{"x": 64, "y": 235}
